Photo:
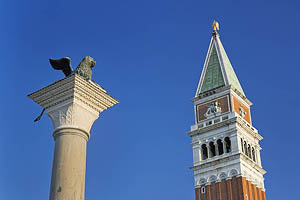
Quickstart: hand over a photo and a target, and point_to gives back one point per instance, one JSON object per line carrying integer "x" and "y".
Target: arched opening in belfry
{"x": 253, "y": 155}
{"x": 249, "y": 151}
{"x": 212, "y": 149}
{"x": 220, "y": 146}
{"x": 204, "y": 151}
{"x": 227, "y": 144}
{"x": 242, "y": 145}
{"x": 245, "y": 148}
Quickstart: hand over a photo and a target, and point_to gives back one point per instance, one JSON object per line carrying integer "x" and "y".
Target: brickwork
{"x": 236, "y": 188}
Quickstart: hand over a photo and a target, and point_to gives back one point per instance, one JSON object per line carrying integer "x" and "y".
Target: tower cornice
{"x": 219, "y": 90}
{"x": 234, "y": 120}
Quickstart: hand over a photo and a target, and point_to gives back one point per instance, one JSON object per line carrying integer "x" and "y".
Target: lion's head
{"x": 89, "y": 61}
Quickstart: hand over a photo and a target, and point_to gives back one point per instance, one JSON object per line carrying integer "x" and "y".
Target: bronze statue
{"x": 84, "y": 69}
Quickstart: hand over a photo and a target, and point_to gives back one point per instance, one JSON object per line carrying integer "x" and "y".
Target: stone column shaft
{"x": 224, "y": 145}
{"x": 209, "y": 154}
{"x": 216, "y": 148}
{"x": 69, "y": 164}
{"x": 197, "y": 154}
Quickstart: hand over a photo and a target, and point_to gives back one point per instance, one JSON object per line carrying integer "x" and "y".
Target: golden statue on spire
{"x": 215, "y": 26}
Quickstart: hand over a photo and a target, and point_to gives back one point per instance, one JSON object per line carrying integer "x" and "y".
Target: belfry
{"x": 226, "y": 150}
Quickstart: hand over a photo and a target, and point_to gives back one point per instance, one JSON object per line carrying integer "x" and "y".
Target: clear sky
{"x": 149, "y": 56}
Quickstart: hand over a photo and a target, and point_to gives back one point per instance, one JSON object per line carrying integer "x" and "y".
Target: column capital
{"x": 73, "y": 102}
{"x": 72, "y": 115}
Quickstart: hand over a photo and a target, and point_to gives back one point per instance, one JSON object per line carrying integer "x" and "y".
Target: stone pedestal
{"x": 73, "y": 104}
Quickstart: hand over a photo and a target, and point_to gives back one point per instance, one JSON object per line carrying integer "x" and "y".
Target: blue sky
{"x": 149, "y": 56}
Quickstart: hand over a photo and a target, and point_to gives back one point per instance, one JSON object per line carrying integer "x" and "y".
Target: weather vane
{"x": 215, "y": 26}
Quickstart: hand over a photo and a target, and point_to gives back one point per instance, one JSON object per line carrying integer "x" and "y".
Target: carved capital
{"x": 72, "y": 115}
{"x": 73, "y": 102}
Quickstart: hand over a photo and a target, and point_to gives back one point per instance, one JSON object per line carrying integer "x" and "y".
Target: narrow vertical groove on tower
{"x": 208, "y": 192}
{"x": 229, "y": 190}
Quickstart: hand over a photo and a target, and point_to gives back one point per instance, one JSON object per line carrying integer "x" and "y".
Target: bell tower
{"x": 226, "y": 150}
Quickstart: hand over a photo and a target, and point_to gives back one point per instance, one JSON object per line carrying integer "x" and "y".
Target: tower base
{"x": 236, "y": 188}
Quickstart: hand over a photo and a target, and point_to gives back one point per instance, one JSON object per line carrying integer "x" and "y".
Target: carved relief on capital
{"x": 72, "y": 115}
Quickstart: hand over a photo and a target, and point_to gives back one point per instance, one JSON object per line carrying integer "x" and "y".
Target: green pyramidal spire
{"x": 217, "y": 70}
{"x": 213, "y": 74}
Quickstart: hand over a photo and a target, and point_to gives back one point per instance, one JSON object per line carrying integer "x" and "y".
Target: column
{"x": 258, "y": 148}
{"x": 72, "y": 123}
{"x": 73, "y": 104}
{"x": 209, "y": 154}
{"x": 224, "y": 145}
{"x": 216, "y": 147}
{"x": 197, "y": 153}
{"x": 200, "y": 151}
{"x": 240, "y": 145}
{"x": 234, "y": 143}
